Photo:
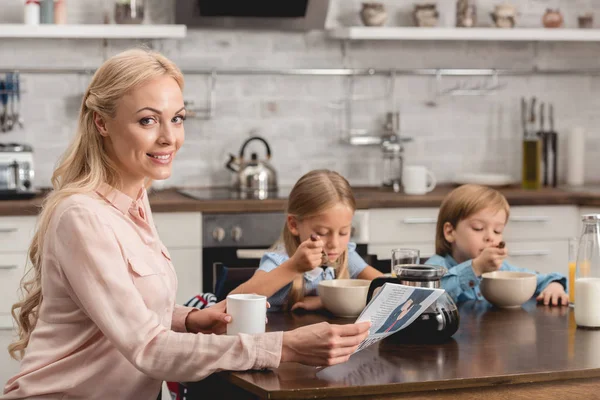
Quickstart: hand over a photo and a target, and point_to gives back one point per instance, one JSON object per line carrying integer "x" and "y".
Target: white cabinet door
{"x": 541, "y": 222}
{"x": 177, "y": 230}
{"x": 541, "y": 256}
{"x": 188, "y": 266}
{"x": 12, "y": 266}
{"x": 16, "y": 233}
{"x": 8, "y": 366}
{"x": 402, "y": 225}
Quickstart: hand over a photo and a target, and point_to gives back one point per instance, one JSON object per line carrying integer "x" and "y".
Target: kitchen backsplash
{"x": 295, "y": 114}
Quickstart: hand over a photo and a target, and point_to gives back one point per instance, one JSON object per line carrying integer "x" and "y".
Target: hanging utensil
{"x": 17, "y": 113}
{"x": 553, "y": 139}
{"x": 10, "y": 88}
{"x": 4, "y": 102}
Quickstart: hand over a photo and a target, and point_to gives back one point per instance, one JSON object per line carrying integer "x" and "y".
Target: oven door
{"x": 241, "y": 258}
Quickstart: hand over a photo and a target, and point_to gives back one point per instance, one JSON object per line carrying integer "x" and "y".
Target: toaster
{"x": 16, "y": 171}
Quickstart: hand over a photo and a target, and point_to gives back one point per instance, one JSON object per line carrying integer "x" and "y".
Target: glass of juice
{"x": 572, "y": 268}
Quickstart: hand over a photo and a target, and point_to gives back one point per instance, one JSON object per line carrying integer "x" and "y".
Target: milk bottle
{"x": 587, "y": 274}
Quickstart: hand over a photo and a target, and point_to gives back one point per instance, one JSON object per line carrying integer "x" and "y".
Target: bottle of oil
{"x": 532, "y": 159}
{"x": 532, "y": 153}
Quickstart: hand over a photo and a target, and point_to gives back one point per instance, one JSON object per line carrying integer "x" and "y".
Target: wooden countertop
{"x": 366, "y": 197}
{"x": 533, "y": 349}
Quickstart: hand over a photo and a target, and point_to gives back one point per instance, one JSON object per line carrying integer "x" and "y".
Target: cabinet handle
{"x": 420, "y": 221}
{"x": 530, "y": 218}
{"x": 8, "y": 230}
{"x": 9, "y": 266}
{"x": 250, "y": 254}
{"x": 529, "y": 253}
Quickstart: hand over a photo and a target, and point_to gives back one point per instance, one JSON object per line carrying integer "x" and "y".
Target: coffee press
{"x": 392, "y": 151}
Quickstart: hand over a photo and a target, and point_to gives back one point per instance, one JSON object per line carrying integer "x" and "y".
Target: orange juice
{"x": 572, "y": 268}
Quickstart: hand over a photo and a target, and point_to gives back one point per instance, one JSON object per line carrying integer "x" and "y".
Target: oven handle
{"x": 250, "y": 254}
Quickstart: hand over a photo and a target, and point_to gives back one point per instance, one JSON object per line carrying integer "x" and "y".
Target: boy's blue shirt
{"x": 462, "y": 284}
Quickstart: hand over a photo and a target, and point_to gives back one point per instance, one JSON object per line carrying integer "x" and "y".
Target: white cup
{"x": 248, "y": 313}
{"x": 416, "y": 179}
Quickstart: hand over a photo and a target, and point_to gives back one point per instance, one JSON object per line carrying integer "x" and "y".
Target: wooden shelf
{"x": 111, "y": 31}
{"x": 466, "y": 34}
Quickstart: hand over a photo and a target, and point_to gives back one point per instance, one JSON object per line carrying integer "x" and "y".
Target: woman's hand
{"x": 310, "y": 303}
{"x": 208, "y": 320}
{"x": 552, "y": 294}
{"x": 323, "y": 344}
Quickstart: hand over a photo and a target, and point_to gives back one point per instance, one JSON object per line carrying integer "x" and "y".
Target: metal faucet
{"x": 393, "y": 152}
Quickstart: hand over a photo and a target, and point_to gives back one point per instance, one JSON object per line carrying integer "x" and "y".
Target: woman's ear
{"x": 449, "y": 232}
{"x": 100, "y": 124}
{"x": 292, "y": 224}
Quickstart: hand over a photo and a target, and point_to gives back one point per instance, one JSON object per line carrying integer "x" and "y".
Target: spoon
{"x": 324, "y": 258}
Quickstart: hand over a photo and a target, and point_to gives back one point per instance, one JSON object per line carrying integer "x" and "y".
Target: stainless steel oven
{"x": 240, "y": 240}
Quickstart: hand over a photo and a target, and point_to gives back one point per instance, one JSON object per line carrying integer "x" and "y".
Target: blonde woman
{"x": 314, "y": 246}
{"x": 99, "y": 319}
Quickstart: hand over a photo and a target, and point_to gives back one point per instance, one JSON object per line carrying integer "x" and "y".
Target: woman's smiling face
{"x": 146, "y": 132}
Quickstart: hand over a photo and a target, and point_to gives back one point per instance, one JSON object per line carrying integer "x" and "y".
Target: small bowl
{"x": 344, "y": 297}
{"x": 508, "y": 289}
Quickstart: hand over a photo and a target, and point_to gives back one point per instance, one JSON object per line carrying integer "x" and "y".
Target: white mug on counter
{"x": 248, "y": 313}
{"x": 417, "y": 179}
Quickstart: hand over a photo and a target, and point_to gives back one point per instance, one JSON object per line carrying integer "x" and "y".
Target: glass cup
{"x": 402, "y": 257}
{"x": 572, "y": 268}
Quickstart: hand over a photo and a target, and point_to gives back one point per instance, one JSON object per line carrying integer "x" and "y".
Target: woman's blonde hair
{"x": 85, "y": 164}
{"x": 314, "y": 193}
{"x": 460, "y": 204}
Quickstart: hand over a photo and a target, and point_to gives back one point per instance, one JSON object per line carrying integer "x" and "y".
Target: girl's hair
{"x": 313, "y": 194}
{"x": 85, "y": 165}
{"x": 460, "y": 204}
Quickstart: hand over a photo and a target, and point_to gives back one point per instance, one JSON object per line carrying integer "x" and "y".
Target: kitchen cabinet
{"x": 15, "y": 236}
{"x": 536, "y": 236}
{"x": 181, "y": 232}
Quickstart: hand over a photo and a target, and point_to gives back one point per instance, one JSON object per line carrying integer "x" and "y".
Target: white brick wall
{"x": 470, "y": 133}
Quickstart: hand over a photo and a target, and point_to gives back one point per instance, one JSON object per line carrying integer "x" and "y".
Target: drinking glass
{"x": 404, "y": 257}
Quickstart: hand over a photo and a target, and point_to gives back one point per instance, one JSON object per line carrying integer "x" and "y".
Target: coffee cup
{"x": 248, "y": 313}
{"x": 417, "y": 179}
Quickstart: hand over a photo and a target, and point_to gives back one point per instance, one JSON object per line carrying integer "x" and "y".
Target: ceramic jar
{"x": 373, "y": 14}
{"x": 504, "y": 15}
{"x": 426, "y": 15}
{"x": 552, "y": 19}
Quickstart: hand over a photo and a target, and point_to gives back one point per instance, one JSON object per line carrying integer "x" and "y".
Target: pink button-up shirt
{"x": 108, "y": 324}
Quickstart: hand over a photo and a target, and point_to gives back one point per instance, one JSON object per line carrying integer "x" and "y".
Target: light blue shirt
{"x": 272, "y": 260}
{"x": 462, "y": 284}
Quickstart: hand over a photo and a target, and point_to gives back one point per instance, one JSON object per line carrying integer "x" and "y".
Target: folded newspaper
{"x": 393, "y": 308}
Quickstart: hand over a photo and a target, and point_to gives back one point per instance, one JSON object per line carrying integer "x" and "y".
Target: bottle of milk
{"x": 587, "y": 275}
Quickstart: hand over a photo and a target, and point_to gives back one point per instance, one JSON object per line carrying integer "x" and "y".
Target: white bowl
{"x": 344, "y": 297}
{"x": 508, "y": 289}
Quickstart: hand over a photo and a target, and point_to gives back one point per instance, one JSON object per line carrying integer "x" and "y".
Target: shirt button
{"x": 471, "y": 284}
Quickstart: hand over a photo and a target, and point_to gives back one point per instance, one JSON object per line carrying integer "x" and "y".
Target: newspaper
{"x": 393, "y": 308}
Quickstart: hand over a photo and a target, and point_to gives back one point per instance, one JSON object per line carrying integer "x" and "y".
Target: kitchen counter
{"x": 366, "y": 197}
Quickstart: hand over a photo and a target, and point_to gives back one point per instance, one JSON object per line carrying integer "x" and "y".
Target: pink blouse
{"x": 108, "y": 324}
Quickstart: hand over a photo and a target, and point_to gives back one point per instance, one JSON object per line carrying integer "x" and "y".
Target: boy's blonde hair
{"x": 313, "y": 194}
{"x": 460, "y": 204}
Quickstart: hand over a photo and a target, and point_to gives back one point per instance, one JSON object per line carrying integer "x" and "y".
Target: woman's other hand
{"x": 323, "y": 344}
{"x": 208, "y": 320}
